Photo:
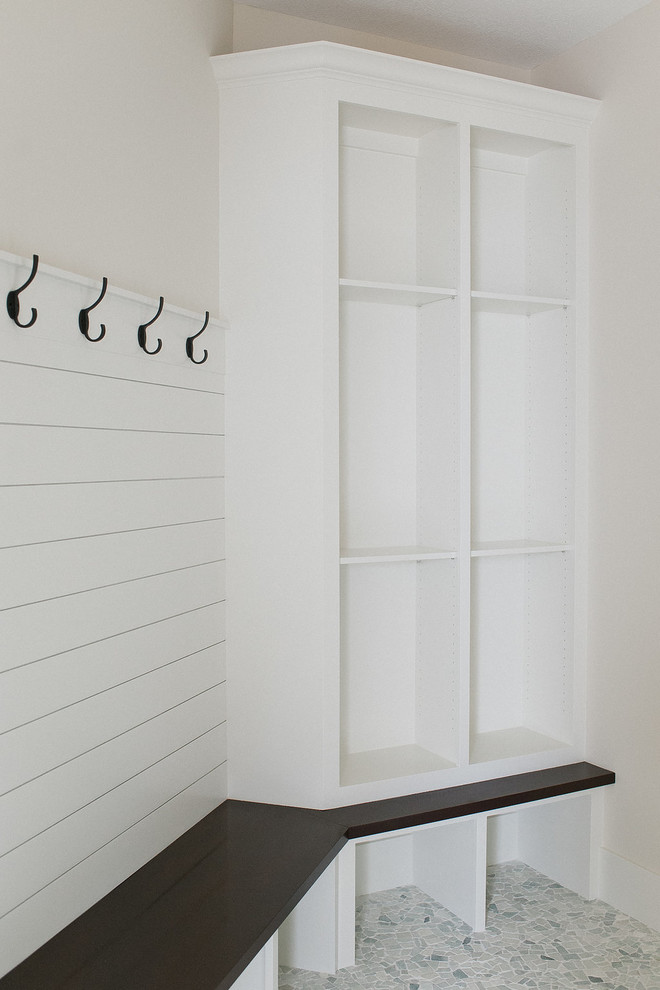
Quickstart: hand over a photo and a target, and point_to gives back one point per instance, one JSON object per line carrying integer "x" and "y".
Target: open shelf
{"x": 398, "y": 199}
{"x": 492, "y": 302}
{"x": 494, "y": 548}
{"x": 392, "y": 761}
{"x": 523, "y": 221}
{"x": 399, "y": 669}
{"x": 521, "y": 663}
{"x": 398, "y": 410}
{"x": 395, "y": 295}
{"x": 502, "y": 744}
{"x": 522, "y": 445}
{"x": 373, "y": 555}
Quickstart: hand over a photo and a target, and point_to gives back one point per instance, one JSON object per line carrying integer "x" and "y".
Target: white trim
{"x": 329, "y": 57}
{"x": 630, "y": 888}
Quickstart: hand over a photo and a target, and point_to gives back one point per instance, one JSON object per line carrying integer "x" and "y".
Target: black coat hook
{"x": 13, "y": 302}
{"x": 83, "y": 316}
{"x": 142, "y": 331}
{"x": 189, "y": 342}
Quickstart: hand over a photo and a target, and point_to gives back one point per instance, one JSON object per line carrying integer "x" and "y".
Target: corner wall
{"x": 620, "y": 66}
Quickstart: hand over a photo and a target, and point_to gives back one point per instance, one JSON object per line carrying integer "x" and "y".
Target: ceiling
{"x": 517, "y": 32}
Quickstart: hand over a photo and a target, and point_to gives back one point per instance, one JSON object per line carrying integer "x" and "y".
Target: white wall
{"x": 621, "y": 67}
{"x": 110, "y": 140}
{"x": 257, "y": 28}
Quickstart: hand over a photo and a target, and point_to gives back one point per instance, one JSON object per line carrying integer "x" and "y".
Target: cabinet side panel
{"x": 272, "y": 253}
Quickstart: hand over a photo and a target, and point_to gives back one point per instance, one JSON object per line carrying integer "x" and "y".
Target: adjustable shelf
{"x": 375, "y": 555}
{"x": 493, "y": 302}
{"x": 399, "y": 295}
{"x": 493, "y": 548}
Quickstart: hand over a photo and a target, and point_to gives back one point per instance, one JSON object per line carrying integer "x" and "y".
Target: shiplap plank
{"x": 36, "y": 690}
{"x": 43, "y": 859}
{"x": 71, "y": 566}
{"x": 70, "y": 354}
{"x": 34, "y": 514}
{"x": 40, "y": 917}
{"x": 40, "y": 746}
{"x": 50, "y": 454}
{"x": 34, "y": 632}
{"x": 52, "y": 797}
{"x": 66, "y": 398}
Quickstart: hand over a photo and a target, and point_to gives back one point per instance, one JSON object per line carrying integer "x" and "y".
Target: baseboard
{"x": 630, "y": 888}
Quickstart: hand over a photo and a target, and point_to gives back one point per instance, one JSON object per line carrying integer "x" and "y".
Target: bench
{"x": 198, "y": 913}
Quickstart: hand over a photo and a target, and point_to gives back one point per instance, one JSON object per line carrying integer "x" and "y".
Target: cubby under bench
{"x": 209, "y": 911}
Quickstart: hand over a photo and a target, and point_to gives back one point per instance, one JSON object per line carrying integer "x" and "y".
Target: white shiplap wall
{"x": 112, "y": 669}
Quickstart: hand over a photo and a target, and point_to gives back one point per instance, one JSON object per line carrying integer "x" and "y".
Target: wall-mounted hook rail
{"x": 13, "y": 302}
{"x": 142, "y": 331}
{"x": 189, "y": 342}
{"x": 83, "y": 316}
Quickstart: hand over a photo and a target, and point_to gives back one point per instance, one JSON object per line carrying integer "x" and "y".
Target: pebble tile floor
{"x": 539, "y": 935}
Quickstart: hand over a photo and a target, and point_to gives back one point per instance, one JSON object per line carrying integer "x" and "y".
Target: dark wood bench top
{"x": 467, "y": 799}
{"x": 194, "y": 916}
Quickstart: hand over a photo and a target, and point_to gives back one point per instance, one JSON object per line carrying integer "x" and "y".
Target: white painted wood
{"x": 61, "y": 568}
{"x": 346, "y": 893}
{"x": 353, "y": 290}
{"x": 378, "y": 355}
{"x": 448, "y": 867}
{"x": 261, "y": 973}
{"x": 59, "y": 455}
{"x": 37, "y": 747}
{"x": 521, "y": 655}
{"x": 383, "y": 862}
{"x": 307, "y": 939}
{"x": 374, "y": 67}
{"x": 630, "y": 887}
{"x": 555, "y": 839}
{"x": 502, "y": 838}
{"x": 33, "y": 690}
{"x": 51, "y": 797}
{"x": 414, "y": 429}
{"x": 67, "y": 350}
{"x": 36, "y": 632}
{"x": 97, "y": 401}
{"x": 40, "y": 861}
{"x": 395, "y": 678}
{"x": 375, "y": 555}
{"x": 44, "y": 513}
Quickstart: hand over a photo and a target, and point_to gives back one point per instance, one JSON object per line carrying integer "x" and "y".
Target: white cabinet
{"x": 403, "y": 270}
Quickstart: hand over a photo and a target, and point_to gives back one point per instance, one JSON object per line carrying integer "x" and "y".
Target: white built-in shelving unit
{"x": 404, "y": 274}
